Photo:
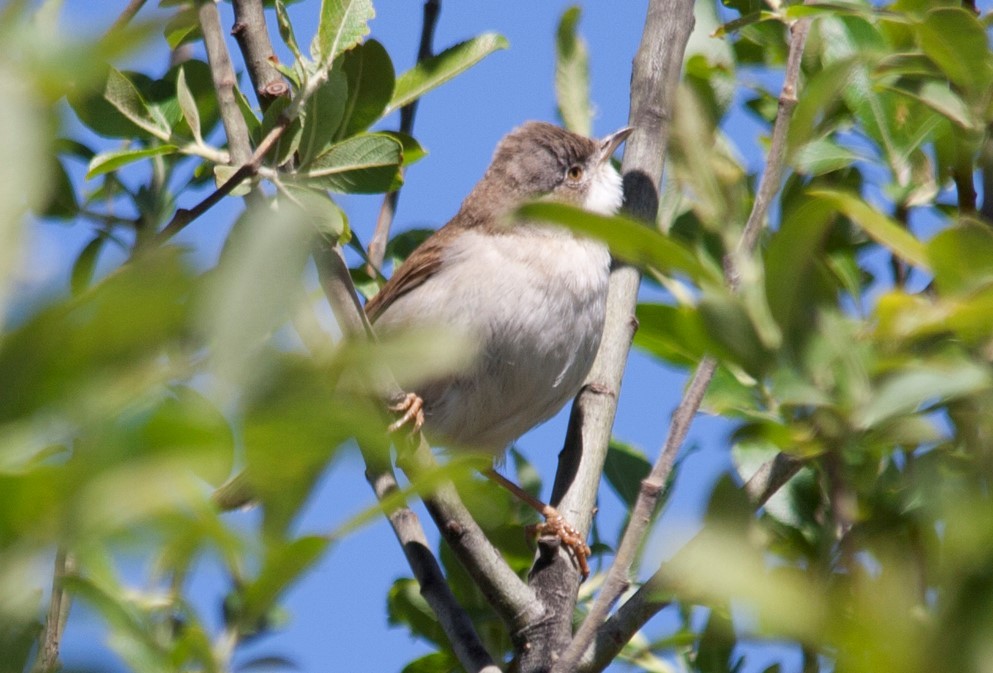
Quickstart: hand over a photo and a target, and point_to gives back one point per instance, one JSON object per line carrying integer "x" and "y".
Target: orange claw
{"x": 412, "y": 407}
{"x": 556, "y": 526}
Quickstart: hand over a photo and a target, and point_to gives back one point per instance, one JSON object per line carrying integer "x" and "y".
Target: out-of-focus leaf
{"x": 939, "y": 97}
{"x": 438, "y": 69}
{"x": 927, "y": 383}
{"x": 405, "y": 605}
{"x": 82, "y": 269}
{"x": 62, "y": 202}
{"x": 364, "y": 164}
{"x": 823, "y": 156}
{"x": 624, "y": 469}
{"x": 878, "y": 226}
{"x": 182, "y": 27}
{"x": 673, "y": 333}
{"x": 284, "y": 563}
{"x": 962, "y": 257}
{"x": 627, "y": 239}
{"x": 436, "y": 662}
{"x": 956, "y": 40}
{"x": 412, "y": 150}
{"x": 106, "y": 162}
{"x": 572, "y": 74}
{"x": 188, "y": 104}
{"x": 342, "y": 25}
{"x": 370, "y": 86}
{"x": 322, "y": 114}
{"x": 319, "y": 210}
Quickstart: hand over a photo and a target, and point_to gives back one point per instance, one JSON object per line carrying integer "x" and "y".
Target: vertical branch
{"x": 617, "y": 579}
{"x": 654, "y": 79}
{"x": 252, "y": 34}
{"x": 225, "y": 81}
{"x": 58, "y": 613}
{"x": 377, "y": 246}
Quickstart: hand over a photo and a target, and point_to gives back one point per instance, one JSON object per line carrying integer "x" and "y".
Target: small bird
{"x": 532, "y": 296}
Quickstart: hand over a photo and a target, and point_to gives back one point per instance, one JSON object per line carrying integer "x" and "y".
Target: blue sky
{"x": 337, "y": 613}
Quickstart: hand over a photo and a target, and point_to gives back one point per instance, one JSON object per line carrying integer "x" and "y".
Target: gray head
{"x": 539, "y": 160}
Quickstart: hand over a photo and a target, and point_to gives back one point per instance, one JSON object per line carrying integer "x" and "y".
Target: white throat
{"x": 605, "y": 194}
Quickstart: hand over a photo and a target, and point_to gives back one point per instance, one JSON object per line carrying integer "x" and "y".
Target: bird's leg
{"x": 412, "y": 408}
{"x": 555, "y": 525}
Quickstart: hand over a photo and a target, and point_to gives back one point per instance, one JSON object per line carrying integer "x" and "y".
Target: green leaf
{"x": 437, "y": 70}
{"x": 625, "y": 468}
{"x": 321, "y": 117}
{"x": 318, "y": 209}
{"x": 371, "y": 79}
{"x": 188, "y": 104}
{"x": 673, "y": 333}
{"x": 125, "y": 97}
{"x": 881, "y": 228}
{"x": 82, "y": 269}
{"x": 572, "y": 74}
{"x": 182, "y": 27}
{"x": 823, "y": 156}
{"x": 286, "y": 30}
{"x": 342, "y": 25}
{"x": 412, "y": 150}
{"x": 919, "y": 386}
{"x": 628, "y": 239}
{"x": 436, "y": 662}
{"x": 283, "y": 565}
{"x": 955, "y": 39}
{"x": 223, "y": 173}
{"x": 962, "y": 257}
{"x": 942, "y": 99}
{"x": 106, "y": 162}
{"x": 364, "y": 164}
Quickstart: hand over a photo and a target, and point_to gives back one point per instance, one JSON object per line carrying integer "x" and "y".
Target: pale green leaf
{"x": 628, "y": 239}
{"x": 823, "y": 156}
{"x": 343, "y": 24}
{"x": 188, "y": 104}
{"x": 123, "y": 95}
{"x": 322, "y": 115}
{"x": 223, "y": 173}
{"x": 106, "y": 162}
{"x": 956, "y": 41}
{"x": 572, "y": 75}
{"x": 884, "y": 230}
{"x": 437, "y": 70}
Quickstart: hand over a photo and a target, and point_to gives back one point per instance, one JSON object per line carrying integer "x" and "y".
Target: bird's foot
{"x": 556, "y": 526}
{"x": 412, "y": 407}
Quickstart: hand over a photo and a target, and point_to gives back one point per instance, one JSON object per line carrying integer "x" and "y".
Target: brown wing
{"x": 423, "y": 263}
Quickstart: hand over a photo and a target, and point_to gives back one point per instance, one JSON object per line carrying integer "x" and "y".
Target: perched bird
{"x": 531, "y": 296}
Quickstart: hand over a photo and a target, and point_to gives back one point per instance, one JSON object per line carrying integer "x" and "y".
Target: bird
{"x": 530, "y": 295}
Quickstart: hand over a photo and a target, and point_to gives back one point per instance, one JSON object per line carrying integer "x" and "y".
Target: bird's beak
{"x": 612, "y": 142}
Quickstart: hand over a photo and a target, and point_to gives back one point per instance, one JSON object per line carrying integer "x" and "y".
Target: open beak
{"x": 612, "y": 142}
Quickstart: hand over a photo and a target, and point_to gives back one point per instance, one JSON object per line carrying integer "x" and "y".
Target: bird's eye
{"x": 575, "y": 172}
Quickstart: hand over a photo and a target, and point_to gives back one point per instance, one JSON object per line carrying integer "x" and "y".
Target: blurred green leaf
{"x": 628, "y": 239}
{"x": 436, "y": 662}
{"x": 188, "y": 105}
{"x": 674, "y": 333}
{"x": 962, "y": 257}
{"x": 823, "y": 156}
{"x": 364, "y": 164}
{"x": 956, "y": 40}
{"x": 572, "y": 74}
{"x": 435, "y": 71}
{"x": 284, "y": 563}
{"x": 880, "y": 227}
{"x": 343, "y": 23}
{"x": 106, "y": 162}
{"x": 82, "y": 269}
{"x": 624, "y": 469}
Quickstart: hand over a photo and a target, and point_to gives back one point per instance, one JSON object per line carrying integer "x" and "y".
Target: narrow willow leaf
{"x": 364, "y": 164}
{"x": 628, "y": 239}
{"x": 106, "y": 162}
{"x": 572, "y": 74}
{"x": 939, "y": 97}
{"x": 878, "y": 226}
{"x": 956, "y": 41}
{"x": 188, "y": 104}
{"x": 286, "y": 30}
{"x": 82, "y": 268}
{"x": 624, "y": 469}
{"x": 823, "y": 156}
{"x": 123, "y": 95}
{"x": 437, "y": 70}
{"x": 342, "y": 25}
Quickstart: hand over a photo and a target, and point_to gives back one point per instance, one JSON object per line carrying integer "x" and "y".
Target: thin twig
{"x": 128, "y": 13}
{"x": 617, "y": 579}
{"x": 380, "y": 236}
{"x": 252, "y": 34}
{"x": 58, "y": 613}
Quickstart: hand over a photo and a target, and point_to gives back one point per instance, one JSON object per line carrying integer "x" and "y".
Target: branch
{"x": 128, "y": 13}
{"x": 225, "y": 82}
{"x": 618, "y": 575}
{"x": 509, "y": 597}
{"x": 252, "y": 34}
{"x": 654, "y": 79}
{"x": 58, "y": 613}
{"x": 377, "y": 246}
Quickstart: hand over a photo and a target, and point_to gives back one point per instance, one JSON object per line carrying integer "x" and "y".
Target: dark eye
{"x": 575, "y": 172}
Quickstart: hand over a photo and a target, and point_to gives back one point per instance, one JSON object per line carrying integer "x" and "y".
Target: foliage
{"x": 858, "y": 339}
